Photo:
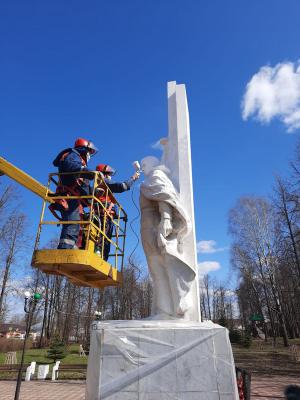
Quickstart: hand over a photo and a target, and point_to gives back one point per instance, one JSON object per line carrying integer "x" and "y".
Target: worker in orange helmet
{"x": 115, "y": 187}
{"x": 74, "y": 160}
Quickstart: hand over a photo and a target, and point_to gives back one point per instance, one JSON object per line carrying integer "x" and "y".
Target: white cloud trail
{"x": 208, "y": 266}
{"x": 208, "y": 247}
{"x": 274, "y": 93}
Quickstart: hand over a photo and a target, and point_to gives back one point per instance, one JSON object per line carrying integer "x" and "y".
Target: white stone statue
{"x": 173, "y": 338}
{"x": 164, "y": 226}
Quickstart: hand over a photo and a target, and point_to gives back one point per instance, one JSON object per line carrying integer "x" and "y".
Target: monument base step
{"x": 160, "y": 360}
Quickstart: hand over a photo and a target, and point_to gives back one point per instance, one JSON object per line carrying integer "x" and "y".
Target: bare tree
{"x": 7, "y": 195}
{"x": 12, "y": 243}
{"x": 206, "y": 297}
{"x": 286, "y": 205}
{"x": 254, "y": 228}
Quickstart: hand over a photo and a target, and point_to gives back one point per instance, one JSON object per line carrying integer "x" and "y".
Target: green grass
{"x": 262, "y": 357}
{"x": 267, "y": 346}
{"x": 40, "y": 356}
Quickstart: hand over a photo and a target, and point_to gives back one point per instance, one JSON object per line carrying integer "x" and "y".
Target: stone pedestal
{"x": 160, "y": 360}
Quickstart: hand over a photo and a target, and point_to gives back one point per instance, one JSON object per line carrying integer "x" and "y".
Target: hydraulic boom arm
{"x": 8, "y": 169}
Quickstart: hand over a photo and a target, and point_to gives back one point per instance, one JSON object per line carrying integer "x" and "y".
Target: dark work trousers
{"x": 70, "y": 233}
{"x": 108, "y": 231}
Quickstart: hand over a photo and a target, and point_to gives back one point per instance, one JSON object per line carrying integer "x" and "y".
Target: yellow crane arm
{"x": 23, "y": 179}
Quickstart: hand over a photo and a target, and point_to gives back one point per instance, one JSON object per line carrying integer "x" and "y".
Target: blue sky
{"x": 99, "y": 69}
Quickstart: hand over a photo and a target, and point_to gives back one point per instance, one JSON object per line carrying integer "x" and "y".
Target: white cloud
{"x": 208, "y": 266}
{"x": 274, "y": 93}
{"x": 208, "y": 246}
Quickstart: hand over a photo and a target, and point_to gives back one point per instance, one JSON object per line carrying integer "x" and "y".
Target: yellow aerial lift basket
{"x": 82, "y": 266}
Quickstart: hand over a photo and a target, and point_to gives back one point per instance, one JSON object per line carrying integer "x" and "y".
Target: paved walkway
{"x": 44, "y": 390}
{"x": 263, "y": 388}
{"x": 271, "y": 387}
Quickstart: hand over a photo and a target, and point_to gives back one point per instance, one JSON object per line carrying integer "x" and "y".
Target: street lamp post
{"x": 98, "y": 315}
{"x": 30, "y": 303}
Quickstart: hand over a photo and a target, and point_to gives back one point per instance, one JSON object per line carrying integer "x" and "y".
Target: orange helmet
{"x": 80, "y": 142}
{"x": 105, "y": 169}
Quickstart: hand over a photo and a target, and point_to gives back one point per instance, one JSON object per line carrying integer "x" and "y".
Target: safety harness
{"x": 105, "y": 199}
{"x": 61, "y": 205}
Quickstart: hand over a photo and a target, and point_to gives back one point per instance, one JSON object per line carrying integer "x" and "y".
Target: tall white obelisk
{"x": 177, "y": 157}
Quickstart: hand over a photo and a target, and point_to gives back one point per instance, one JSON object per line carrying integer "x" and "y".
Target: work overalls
{"x": 115, "y": 187}
{"x": 70, "y": 160}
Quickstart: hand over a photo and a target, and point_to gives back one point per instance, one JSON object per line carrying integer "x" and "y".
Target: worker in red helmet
{"x": 74, "y": 160}
{"x": 116, "y": 187}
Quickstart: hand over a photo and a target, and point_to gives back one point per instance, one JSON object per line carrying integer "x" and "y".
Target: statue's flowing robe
{"x": 159, "y": 188}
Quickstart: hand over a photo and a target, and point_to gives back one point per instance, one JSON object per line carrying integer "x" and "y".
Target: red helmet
{"x": 105, "y": 169}
{"x": 80, "y": 142}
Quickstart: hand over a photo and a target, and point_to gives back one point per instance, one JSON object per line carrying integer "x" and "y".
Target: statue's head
{"x": 148, "y": 163}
